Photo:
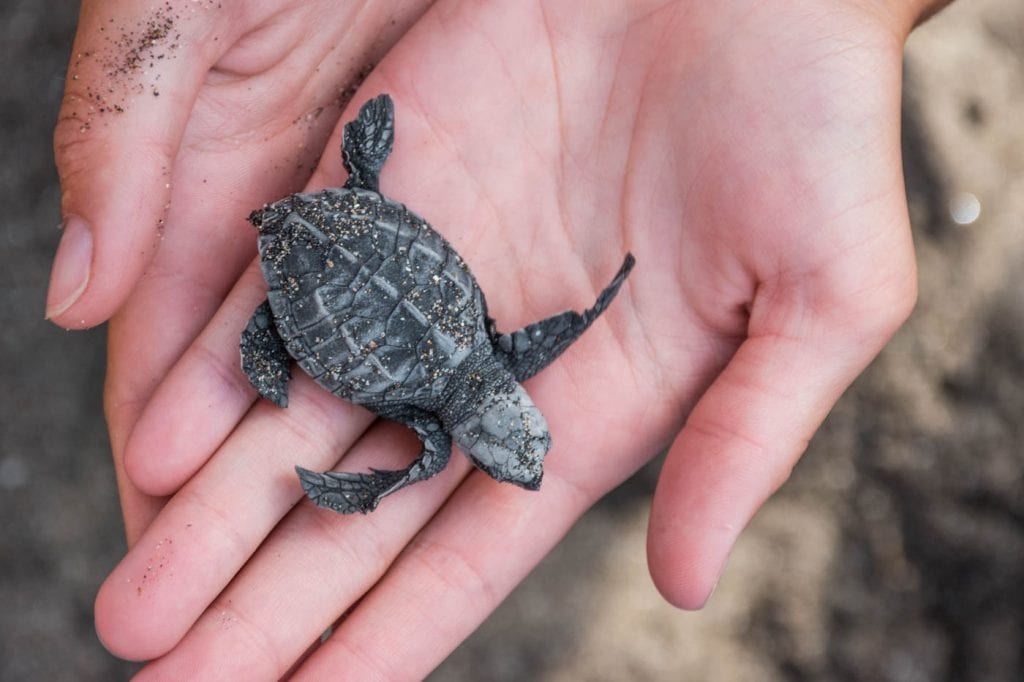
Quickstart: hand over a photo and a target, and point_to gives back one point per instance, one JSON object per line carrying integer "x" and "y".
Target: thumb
{"x": 132, "y": 80}
{"x": 750, "y": 427}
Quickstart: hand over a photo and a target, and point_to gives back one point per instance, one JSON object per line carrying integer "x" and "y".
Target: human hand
{"x": 749, "y": 157}
{"x": 178, "y": 119}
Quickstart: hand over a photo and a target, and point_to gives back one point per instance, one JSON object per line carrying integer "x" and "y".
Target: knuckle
{"x": 75, "y": 147}
{"x": 89, "y": 136}
{"x": 359, "y": 661}
{"x": 888, "y": 304}
{"x": 77, "y": 129}
{"x": 454, "y": 570}
{"x": 871, "y": 306}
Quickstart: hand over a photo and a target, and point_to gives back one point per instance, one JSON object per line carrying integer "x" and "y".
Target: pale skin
{"x": 746, "y": 152}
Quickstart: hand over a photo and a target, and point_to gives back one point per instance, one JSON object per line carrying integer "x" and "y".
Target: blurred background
{"x": 895, "y": 552}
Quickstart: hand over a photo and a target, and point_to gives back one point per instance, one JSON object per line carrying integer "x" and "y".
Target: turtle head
{"x": 506, "y": 436}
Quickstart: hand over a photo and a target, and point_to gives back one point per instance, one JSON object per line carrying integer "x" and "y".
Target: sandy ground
{"x": 895, "y": 552}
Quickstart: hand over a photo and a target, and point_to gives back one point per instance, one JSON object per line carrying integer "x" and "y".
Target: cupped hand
{"x": 747, "y": 154}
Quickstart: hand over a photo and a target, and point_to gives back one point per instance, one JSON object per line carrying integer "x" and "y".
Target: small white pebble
{"x": 964, "y": 208}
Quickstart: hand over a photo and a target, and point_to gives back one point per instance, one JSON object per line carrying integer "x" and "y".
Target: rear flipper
{"x": 349, "y": 493}
{"x": 264, "y": 358}
{"x": 532, "y": 348}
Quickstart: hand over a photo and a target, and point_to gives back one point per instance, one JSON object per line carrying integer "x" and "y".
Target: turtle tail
{"x": 367, "y": 142}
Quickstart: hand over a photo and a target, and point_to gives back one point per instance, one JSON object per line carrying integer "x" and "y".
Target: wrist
{"x": 901, "y": 15}
{"x": 927, "y": 8}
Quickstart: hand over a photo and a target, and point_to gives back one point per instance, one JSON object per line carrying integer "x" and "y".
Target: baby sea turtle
{"x": 379, "y": 309}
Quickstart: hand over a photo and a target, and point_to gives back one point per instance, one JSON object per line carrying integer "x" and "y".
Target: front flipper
{"x": 367, "y": 142}
{"x": 532, "y": 348}
{"x": 264, "y": 358}
{"x": 348, "y": 493}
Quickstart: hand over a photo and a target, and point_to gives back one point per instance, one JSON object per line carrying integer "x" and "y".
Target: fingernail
{"x": 71, "y": 267}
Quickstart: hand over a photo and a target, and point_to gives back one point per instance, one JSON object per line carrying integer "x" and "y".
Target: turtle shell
{"x": 370, "y": 301}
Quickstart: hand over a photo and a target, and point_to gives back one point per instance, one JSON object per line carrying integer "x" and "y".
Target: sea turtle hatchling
{"x": 379, "y": 309}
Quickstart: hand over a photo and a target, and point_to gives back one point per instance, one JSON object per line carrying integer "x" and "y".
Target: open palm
{"x": 748, "y": 157}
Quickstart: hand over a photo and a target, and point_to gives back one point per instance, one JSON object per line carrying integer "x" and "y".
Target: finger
{"x": 165, "y": 312}
{"x": 132, "y": 79}
{"x": 211, "y": 527}
{"x": 314, "y": 566}
{"x": 750, "y": 427}
{"x": 199, "y": 402}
